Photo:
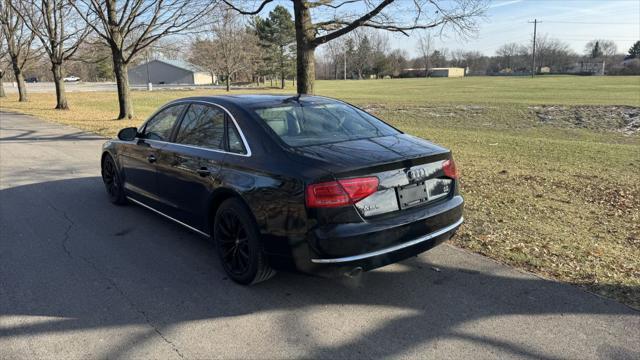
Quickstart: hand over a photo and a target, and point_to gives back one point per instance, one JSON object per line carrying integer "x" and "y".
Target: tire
{"x": 113, "y": 181}
{"x": 237, "y": 240}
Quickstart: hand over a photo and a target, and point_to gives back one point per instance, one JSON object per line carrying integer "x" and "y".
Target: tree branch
{"x": 245, "y": 12}
{"x": 328, "y": 3}
{"x": 351, "y": 26}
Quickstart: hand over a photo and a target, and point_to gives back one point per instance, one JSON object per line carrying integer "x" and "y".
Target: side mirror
{"x": 128, "y": 134}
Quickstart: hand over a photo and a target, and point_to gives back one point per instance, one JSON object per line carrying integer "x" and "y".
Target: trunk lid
{"x": 357, "y": 157}
{"x": 409, "y": 170}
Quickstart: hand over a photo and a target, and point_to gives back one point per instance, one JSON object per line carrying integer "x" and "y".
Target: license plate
{"x": 412, "y": 195}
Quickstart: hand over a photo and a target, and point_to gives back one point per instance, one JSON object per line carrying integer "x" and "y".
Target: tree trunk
{"x": 17, "y": 73}
{"x": 282, "y": 70}
{"x": 305, "y": 49}
{"x": 2, "y": 93}
{"x": 228, "y": 80}
{"x": 306, "y": 70}
{"x": 426, "y": 66}
{"x": 122, "y": 82}
{"x": 61, "y": 99}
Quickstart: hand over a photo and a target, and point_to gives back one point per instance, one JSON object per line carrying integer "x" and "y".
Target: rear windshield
{"x": 304, "y": 124}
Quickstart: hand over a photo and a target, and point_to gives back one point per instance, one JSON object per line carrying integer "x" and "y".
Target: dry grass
{"x": 561, "y": 202}
{"x": 560, "y": 197}
{"x": 96, "y": 111}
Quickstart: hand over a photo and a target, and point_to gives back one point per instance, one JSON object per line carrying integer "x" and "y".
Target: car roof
{"x": 256, "y": 100}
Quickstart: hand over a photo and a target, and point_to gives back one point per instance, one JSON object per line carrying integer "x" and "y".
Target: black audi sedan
{"x": 279, "y": 182}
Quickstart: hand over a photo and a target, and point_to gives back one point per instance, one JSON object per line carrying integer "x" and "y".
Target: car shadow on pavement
{"x": 70, "y": 256}
{"x": 28, "y": 136}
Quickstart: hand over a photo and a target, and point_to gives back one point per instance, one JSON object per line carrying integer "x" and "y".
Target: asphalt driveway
{"x": 81, "y": 278}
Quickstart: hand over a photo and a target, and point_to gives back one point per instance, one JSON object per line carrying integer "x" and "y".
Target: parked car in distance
{"x": 280, "y": 182}
{"x": 32, "y": 79}
{"x": 71, "y": 79}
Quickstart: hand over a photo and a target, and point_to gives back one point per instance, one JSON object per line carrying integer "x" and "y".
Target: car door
{"x": 138, "y": 158}
{"x": 188, "y": 168}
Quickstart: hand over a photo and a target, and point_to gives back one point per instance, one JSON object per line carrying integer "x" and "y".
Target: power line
{"x": 589, "y": 23}
{"x": 594, "y": 38}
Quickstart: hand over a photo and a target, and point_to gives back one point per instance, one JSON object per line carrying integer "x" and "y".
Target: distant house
{"x": 631, "y": 61}
{"x": 412, "y": 72}
{"x": 176, "y": 72}
{"x": 587, "y": 68}
{"x": 447, "y": 72}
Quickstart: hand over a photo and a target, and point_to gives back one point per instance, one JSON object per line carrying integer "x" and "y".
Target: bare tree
{"x": 201, "y": 53}
{"x": 336, "y": 20}
{"x": 553, "y": 53}
{"x": 54, "y": 23}
{"x": 335, "y": 54}
{"x": 363, "y": 52}
{"x": 233, "y": 48}
{"x": 425, "y": 44}
{"x": 161, "y": 49}
{"x": 19, "y": 42}
{"x": 398, "y": 61}
{"x": 131, "y": 26}
{"x": 4, "y": 60}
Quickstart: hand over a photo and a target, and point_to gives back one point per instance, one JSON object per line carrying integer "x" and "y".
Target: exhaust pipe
{"x": 356, "y": 271}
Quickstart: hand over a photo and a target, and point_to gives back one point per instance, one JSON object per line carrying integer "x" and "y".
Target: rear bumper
{"x": 374, "y": 243}
{"x": 395, "y": 248}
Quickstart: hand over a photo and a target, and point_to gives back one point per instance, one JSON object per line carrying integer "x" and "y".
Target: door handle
{"x": 151, "y": 158}
{"x": 203, "y": 171}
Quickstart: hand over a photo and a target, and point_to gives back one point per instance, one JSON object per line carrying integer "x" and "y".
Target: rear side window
{"x": 303, "y": 124}
{"x": 235, "y": 141}
{"x": 202, "y": 126}
{"x": 160, "y": 126}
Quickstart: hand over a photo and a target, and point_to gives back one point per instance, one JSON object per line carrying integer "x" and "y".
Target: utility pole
{"x": 149, "y": 85}
{"x": 533, "y": 55}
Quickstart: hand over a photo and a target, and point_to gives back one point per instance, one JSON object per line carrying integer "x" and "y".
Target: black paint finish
{"x": 187, "y": 183}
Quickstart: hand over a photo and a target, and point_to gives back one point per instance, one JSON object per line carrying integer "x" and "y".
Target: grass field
{"x": 550, "y": 167}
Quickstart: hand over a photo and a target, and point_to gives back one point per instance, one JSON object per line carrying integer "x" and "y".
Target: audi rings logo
{"x": 416, "y": 174}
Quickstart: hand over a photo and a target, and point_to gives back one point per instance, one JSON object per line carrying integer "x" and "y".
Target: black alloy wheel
{"x": 112, "y": 181}
{"x": 238, "y": 243}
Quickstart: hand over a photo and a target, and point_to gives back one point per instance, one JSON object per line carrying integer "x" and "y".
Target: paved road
{"x": 81, "y": 278}
{"x": 82, "y": 86}
{"x": 45, "y": 87}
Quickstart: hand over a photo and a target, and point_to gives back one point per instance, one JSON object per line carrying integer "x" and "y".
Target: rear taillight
{"x": 341, "y": 192}
{"x": 449, "y": 168}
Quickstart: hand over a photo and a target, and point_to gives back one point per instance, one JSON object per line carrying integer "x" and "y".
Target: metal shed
{"x": 446, "y": 72}
{"x": 176, "y": 72}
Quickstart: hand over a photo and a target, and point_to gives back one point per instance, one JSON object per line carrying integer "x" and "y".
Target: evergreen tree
{"x": 596, "y": 52}
{"x": 634, "y": 51}
{"x": 277, "y": 37}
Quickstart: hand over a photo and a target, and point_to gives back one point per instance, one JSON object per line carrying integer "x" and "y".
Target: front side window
{"x": 160, "y": 126}
{"x": 202, "y": 126}
{"x": 303, "y": 124}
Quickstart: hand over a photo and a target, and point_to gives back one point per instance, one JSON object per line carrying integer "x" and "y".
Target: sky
{"x": 575, "y": 22}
